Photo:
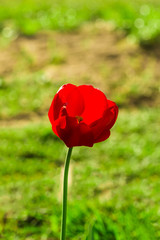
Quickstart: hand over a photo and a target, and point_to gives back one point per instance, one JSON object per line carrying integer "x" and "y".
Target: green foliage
{"x": 24, "y": 95}
{"x": 127, "y": 224}
{"x": 138, "y": 18}
{"x": 115, "y": 185}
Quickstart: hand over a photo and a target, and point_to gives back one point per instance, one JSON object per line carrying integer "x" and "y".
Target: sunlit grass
{"x": 139, "y": 19}
{"x": 117, "y": 179}
{"x": 26, "y": 95}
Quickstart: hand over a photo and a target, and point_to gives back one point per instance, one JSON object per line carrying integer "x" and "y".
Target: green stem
{"x": 65, "y": 189}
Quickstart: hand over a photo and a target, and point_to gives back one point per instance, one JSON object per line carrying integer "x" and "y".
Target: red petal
{"x": 70, "y": 96}
{"x": 65, "y": 91}
{"x": 104, "y": 135}
{"x": 72, "y": 132}
{"x": 75, "y": 103}
{"x": 85, "y": 135}
{"x": 104, "y": 124}
{"x": 95, "y": 103}
{"x": 59, "y": 100}
{"x": 113, "y": 108}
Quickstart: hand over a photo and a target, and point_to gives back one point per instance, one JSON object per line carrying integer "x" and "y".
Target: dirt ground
{"x": 94, "y": 54}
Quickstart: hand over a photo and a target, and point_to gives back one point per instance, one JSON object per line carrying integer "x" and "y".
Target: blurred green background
{"x": 114, "y": 186}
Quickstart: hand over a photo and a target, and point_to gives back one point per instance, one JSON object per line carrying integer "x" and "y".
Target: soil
{"x": 94, "y": 54}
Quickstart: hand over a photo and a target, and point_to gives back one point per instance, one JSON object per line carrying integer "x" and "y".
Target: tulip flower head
{"x": 82, "y": 115}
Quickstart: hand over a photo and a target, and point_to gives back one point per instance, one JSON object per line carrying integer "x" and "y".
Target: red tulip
{"x": 82, "y": 115}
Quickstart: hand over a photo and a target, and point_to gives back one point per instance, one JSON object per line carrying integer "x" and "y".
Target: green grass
{"x": 26, "y": 94}
{"x": 139, "y": 19}
{"x": 115, "y": 184}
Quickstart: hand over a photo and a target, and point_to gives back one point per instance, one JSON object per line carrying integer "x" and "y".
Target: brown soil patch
{"x": 24, "y": 119}
{"x": 95, "y": 54}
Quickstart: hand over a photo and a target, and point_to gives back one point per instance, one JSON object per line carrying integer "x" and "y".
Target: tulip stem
{"x": 65, "y": 189}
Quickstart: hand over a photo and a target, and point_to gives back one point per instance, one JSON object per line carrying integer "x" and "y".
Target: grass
{"x": 104, "y": 186}
{"x": 25, "y": 95}
{"x": 139, "y": 19}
